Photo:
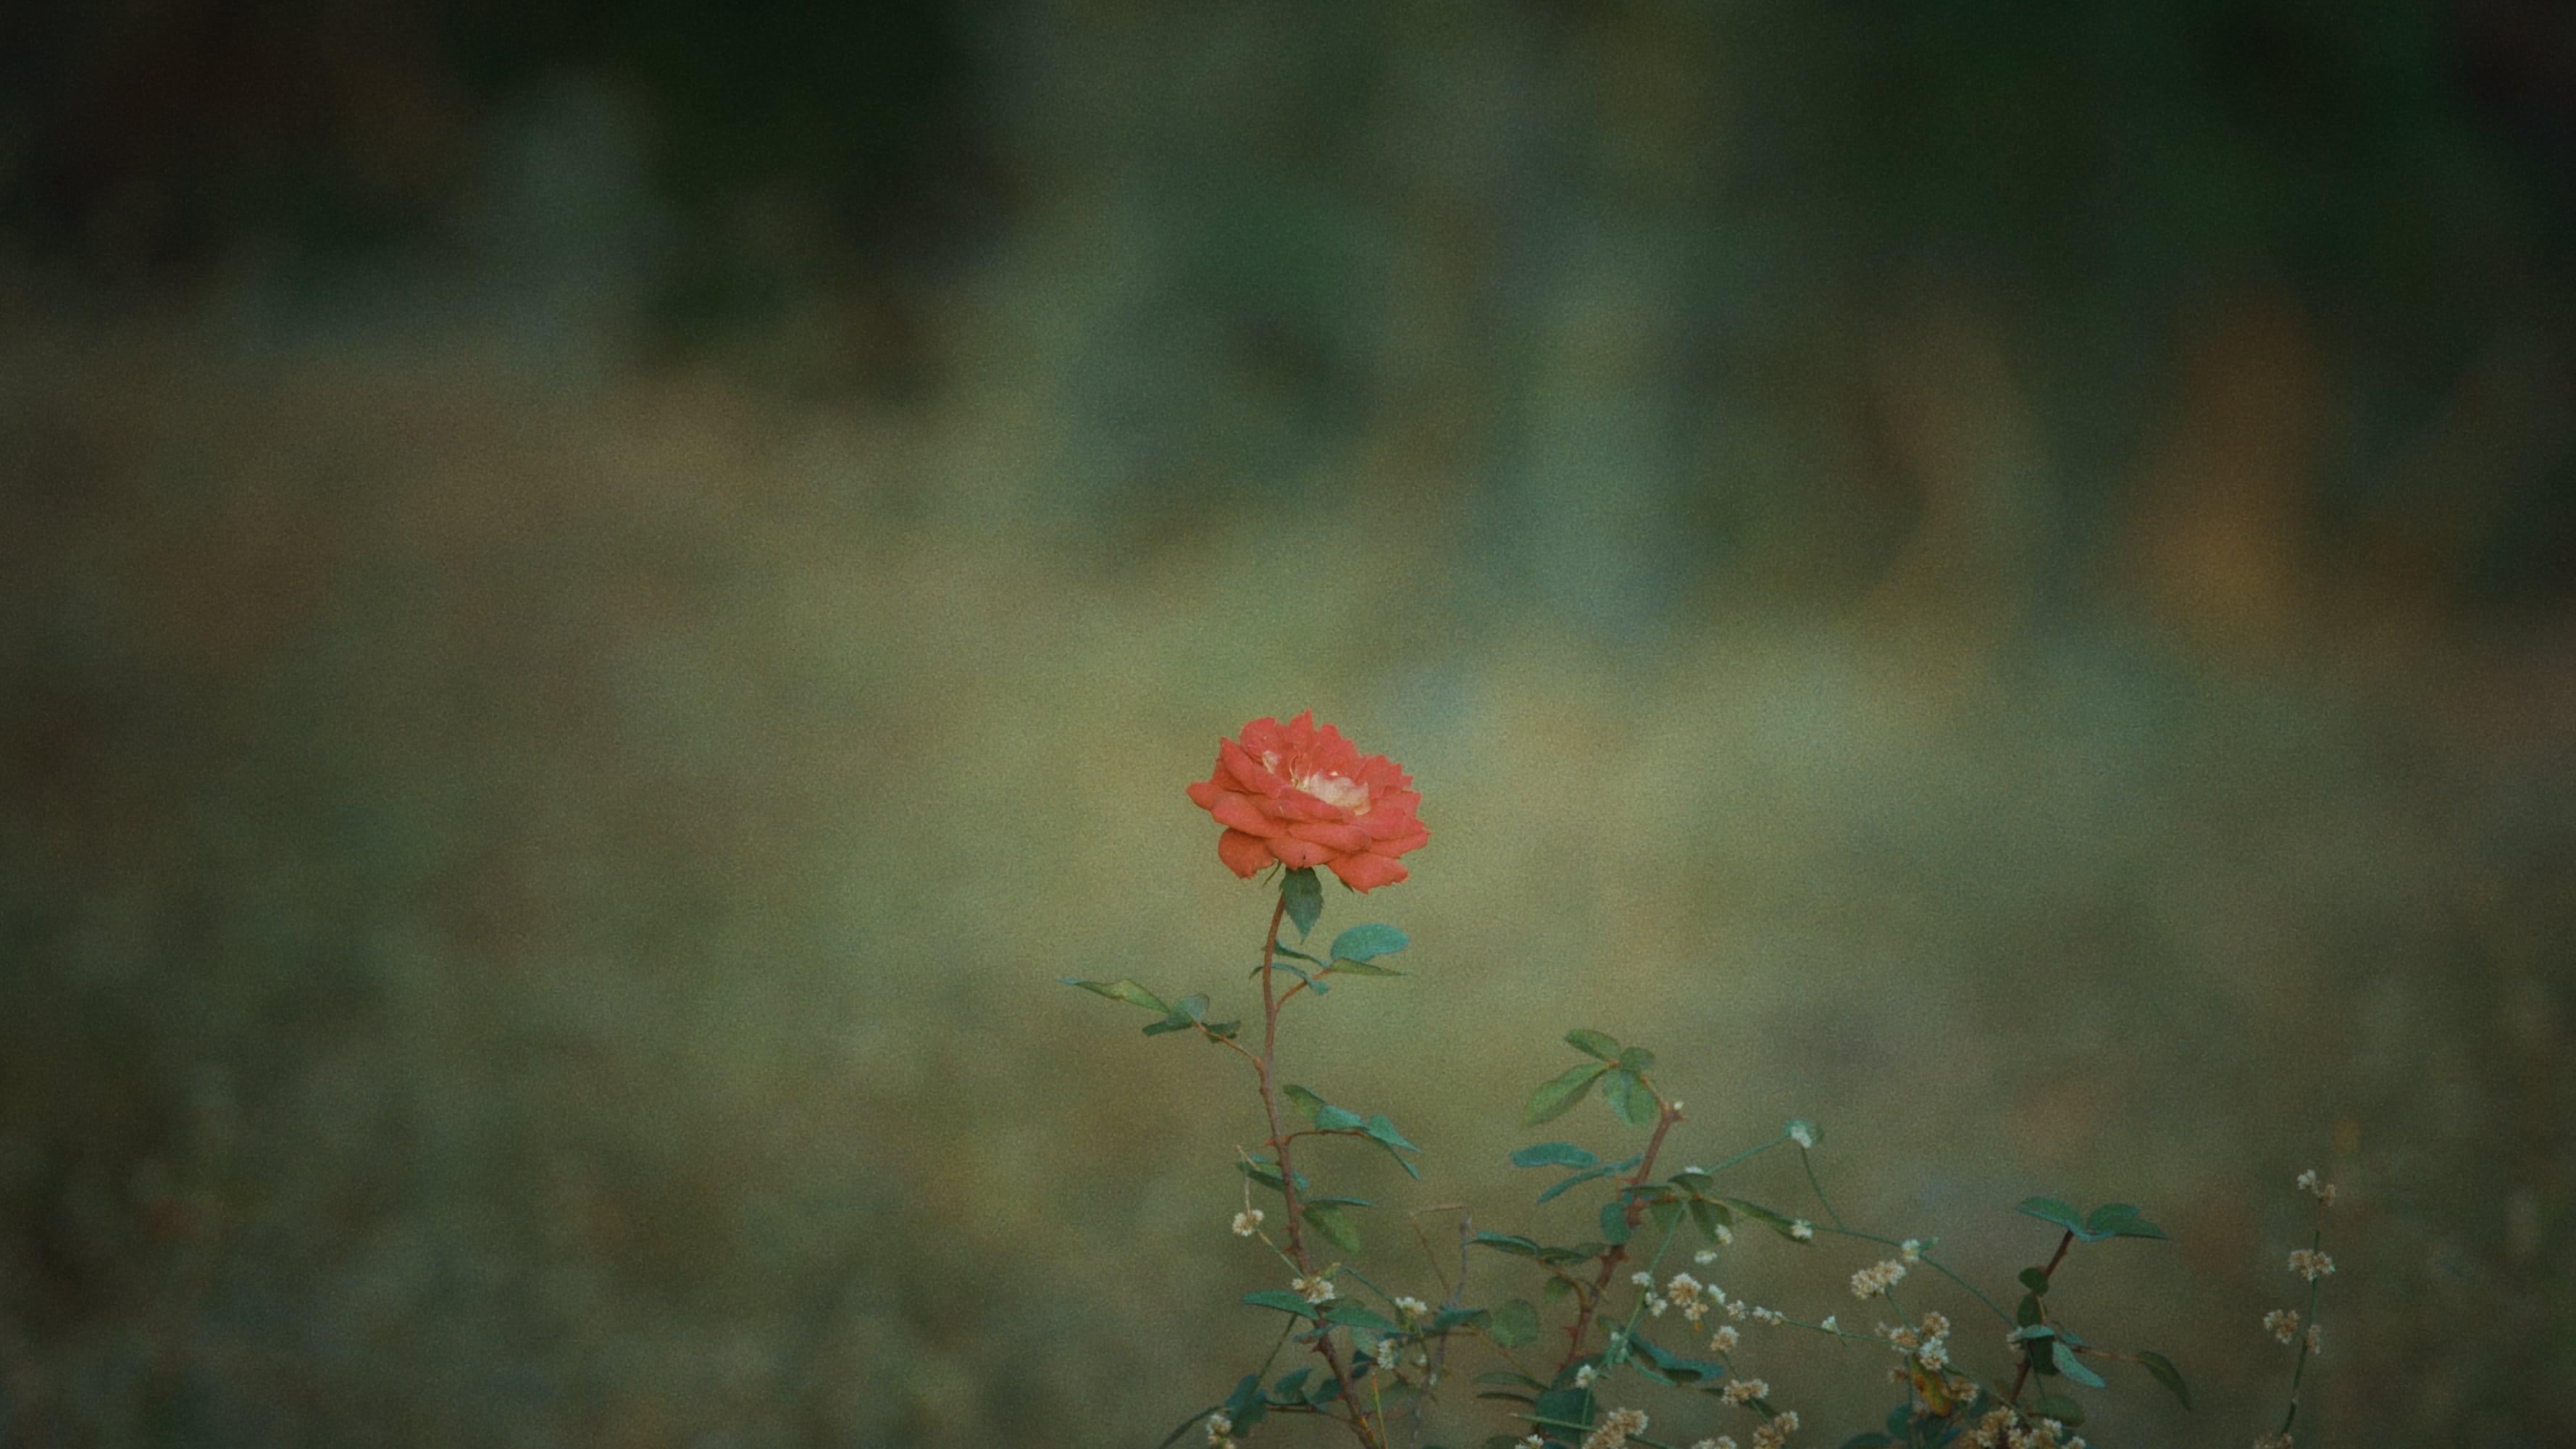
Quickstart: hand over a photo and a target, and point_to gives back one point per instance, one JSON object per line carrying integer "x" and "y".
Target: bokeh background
{"x": 595, "y": 599}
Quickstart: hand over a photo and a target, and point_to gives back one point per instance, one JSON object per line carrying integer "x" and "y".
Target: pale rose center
{"x": 1339, "y": 791}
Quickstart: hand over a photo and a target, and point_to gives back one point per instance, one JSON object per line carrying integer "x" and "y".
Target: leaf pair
{"x": 1190, "y": 1012}
{"x": 1375, "y": 1126}
{"x": 1620, "y": 1071}
{"x": 2110, "y": 1220}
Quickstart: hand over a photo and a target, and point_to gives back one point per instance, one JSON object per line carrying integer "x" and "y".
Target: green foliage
{"x": 2110, "y": 1220}
{"x": 1557, "y": 1096}
{"x": 1635, "y": 1218}
{"x": 1355, "y": 951}
{"x": 1305, "y": 897}
{"x": 2166, "y": 1374}
{"x": 1514, "y": 1322}
{"x": 1629, "y": 1096}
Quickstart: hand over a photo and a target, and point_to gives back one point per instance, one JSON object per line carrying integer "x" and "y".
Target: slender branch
{"x": 1617, "y": 1253}
{"x": 2049, "y": 1272}
{"x": 2316, "y": 1241}
{"x": 1265, "y": 1068}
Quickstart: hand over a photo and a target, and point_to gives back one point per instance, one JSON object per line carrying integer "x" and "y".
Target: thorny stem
{"x": 2050, "y": 1273}
{"x": 1617, "y": 1253}
{"x": 1264, "y": 1070}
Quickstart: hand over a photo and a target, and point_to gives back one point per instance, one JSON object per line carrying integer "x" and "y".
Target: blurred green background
{"x": 598, "y": 598}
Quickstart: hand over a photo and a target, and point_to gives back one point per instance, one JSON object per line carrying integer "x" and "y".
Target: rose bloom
{"x": 1304, "y": 796}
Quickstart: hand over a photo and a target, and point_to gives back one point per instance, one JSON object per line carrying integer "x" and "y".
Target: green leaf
{"x": 1557, "y": 1095}
{"x": 1301, "y": 974}
{"x": 1637, "y": 1059}
{"x": 1614, "y": 1222}
{"x": 1187, "y": 1012}
{"x": 1266, "y": 1172}
{"x": 1780, "y": 1223}
{"x": 1307, "y": 1099}
{"x": 1512, "y": 1243}
{"x": 2035, "y": 1279}
{"x": 1554, "y": 1154}
{"x": 1384, "y": 1131}
{"x": 2119, "y": 1220}
{"x": 1291, "y": 1388}
{"x": 1514, "y": 1323}
{"x": 1329, "y": 1219}
{"x": 2167, "y": 1375}
{"x": 2061, "y": 1408}
{"x": 1363, "y": 968}
{"x": 1282, "y": 948}
{"x": 1711, "y": 1217}
{"x": 1594, "y": 1043}
{"x": 2026, "y": 1313}
{"x": 1121, "y": 989}
{"x": 2072, "y": 1364}
{"x": 1362, "y": 944}
{"x": 1281, "y": 1299}
{"x": 1305, "y": 897}
{"x": 1629, "y": 1097}
{"x": 1341, "y": 1202}
{"x": 1360, "y": 1315}
{"x": 1329, "y": 1118}
{"x": 1244, "y": 1405}
{"x": 2050, "y": 1210}
{"x": 1576, "y": 1180}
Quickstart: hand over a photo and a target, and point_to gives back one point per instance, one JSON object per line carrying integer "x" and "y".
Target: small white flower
{"x": 1832, "y": 1323}
{"x": 1704, "y": 1256}
{"x": 1642, "y": 1279}
{"x": 1802, "y": 1230}
{"x": 1723, "y": 1341}
{"x": 1411, "y": 1307}
{"x": 1803, "y": 1133}
{"x": 1911, "y": 1250}
{"x": 1247, "y": 1222}
{"x": 1583, "y": 1377}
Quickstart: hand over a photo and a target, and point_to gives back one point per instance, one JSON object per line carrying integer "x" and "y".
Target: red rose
{"x": 1304, "y": 796}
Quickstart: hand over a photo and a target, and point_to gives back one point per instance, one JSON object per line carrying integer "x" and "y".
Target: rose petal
{"x": 1245, "y": 855}
{"x": 1332, "y": 835}
{"x": 1367, "y": 872}
{"x": 1249, "y": 776}
{"x": 1402, "y": 843}
{"x": 1298, "y": 805}
{"x": 1298, "y": 854}
{"x": 1204, "y": 793}
{"x": 1237, "y": 812}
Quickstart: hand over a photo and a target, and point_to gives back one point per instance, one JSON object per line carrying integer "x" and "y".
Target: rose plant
{"x": 1569, "y": 1359}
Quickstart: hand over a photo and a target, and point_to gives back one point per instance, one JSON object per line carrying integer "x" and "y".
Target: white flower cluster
{"x": 1876, "y": 1279}
{"x": 1615, "y": 1427}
